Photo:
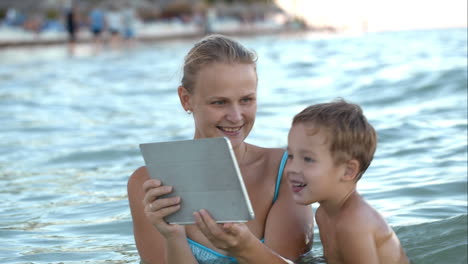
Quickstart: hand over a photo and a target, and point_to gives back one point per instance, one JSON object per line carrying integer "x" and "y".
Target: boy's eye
{"x": 290, "y": 156}
{"x": 307, "y": 159}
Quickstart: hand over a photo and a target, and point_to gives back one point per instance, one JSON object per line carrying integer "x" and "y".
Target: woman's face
{"x": 224, "y": 101}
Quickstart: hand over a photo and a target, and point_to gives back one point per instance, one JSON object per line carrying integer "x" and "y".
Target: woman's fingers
{"x": 161, "y": 213}
{"x": 156, "y": 207}
{"x": 208, "y": 226}
{"x": 160, "y": 204}
{"x": 231, "y": 228}
{"x": 200, "y": 222}
{"x": 155, "y": 192}
{"x": 151, "y": 183}
{"x": 159, "y": 207}
{"x": 209, "y": 221}
{"x": 227, "y": 236}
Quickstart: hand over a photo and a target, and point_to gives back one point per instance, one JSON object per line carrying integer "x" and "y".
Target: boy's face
{"x": 310, "y": 170}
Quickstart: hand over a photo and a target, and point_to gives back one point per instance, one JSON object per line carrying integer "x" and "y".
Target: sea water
{"x": 70, "y": 129}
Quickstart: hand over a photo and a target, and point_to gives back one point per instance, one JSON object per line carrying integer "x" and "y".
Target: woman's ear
{"x": 184, "y": 97}
{"x": 351, "y": 170}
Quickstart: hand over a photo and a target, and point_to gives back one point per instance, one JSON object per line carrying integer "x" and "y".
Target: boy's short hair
{"x": 350, "y": 134}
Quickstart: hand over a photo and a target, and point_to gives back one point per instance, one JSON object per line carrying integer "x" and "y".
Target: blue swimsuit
{"x": 205, "y": 255}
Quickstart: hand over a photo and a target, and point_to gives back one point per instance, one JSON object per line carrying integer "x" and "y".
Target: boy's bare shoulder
{"x": 359, "y": 216}
{"x": 359, "y": 223}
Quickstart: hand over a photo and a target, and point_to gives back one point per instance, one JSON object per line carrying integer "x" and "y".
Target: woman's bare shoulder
{"x": 141, "y": 172}
{"x": 268, "y": 154}
{"x": 138, "y": 177}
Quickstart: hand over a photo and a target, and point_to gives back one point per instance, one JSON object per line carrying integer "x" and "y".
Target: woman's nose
{"x": 234, "y": 114}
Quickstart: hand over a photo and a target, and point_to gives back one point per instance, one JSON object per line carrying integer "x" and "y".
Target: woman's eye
{"x": 246, "y": 100}
{"x": 218, "y": 102}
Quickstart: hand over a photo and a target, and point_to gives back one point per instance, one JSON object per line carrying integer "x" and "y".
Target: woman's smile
{"x": 230, "y": 131}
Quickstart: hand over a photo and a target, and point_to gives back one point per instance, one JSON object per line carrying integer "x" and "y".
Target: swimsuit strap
{"x": 284, "y": 159}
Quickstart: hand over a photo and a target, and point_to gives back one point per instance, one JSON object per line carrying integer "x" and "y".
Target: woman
{"x": 219, "y": 87}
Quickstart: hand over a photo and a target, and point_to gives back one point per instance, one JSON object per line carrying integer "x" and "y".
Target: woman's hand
{"x": 231, "y": 237}
{"x": 237, "y": 240}
{"x": 157, "y": 208}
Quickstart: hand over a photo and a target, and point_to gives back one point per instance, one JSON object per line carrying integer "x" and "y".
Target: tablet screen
{"x": 205, "y": 174}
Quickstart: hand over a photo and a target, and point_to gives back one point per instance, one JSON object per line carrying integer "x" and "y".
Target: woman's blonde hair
{"x": 214, "y": 49}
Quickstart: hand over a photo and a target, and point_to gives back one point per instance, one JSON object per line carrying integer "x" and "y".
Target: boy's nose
{"x": 291, "y": 167}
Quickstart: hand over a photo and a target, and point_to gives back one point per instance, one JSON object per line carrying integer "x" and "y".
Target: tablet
{"x": 205, "y": 174}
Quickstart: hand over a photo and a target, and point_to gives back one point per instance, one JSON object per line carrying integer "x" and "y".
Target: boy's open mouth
{"x": 297, "y": 186}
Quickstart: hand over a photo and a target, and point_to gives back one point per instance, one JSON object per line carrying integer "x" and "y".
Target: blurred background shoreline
{"x": 43, "y": 22}
{"x": 32, "y": 23}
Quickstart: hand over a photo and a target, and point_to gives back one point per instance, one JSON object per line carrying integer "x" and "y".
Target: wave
{"x": 443, "y": 241}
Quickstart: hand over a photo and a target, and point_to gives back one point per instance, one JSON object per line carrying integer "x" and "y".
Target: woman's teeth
{"x": 230, "y": 129}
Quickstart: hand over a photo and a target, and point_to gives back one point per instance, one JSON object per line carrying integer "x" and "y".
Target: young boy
{"x": 330, "y": 146}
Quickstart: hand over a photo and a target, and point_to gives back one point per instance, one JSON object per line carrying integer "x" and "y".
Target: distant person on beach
{"x": 129, "y": 21}
{"x": 34, "y": 24}
{"x": 210, "y": 18}
{"x": 97, "y": 24}
{"x": 330, "y": 146}
{"x": 11, "y": 17}
{"x": 72, "y": 25}
{"x": 114, "y": 25}
{"x": 219, "y": 90}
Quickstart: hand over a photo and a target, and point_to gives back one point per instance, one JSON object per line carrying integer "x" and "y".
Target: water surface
{"x": 71, "y": 128}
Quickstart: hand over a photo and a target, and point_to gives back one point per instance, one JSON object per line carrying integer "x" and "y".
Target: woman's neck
{"x": 241, "y": 152}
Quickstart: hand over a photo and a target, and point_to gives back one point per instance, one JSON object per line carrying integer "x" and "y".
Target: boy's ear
{"x": 351, "y": 170}
{"x": 184, "y": 97}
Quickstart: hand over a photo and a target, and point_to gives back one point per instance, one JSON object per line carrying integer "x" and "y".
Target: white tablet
{"x": 205, "y": 174}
